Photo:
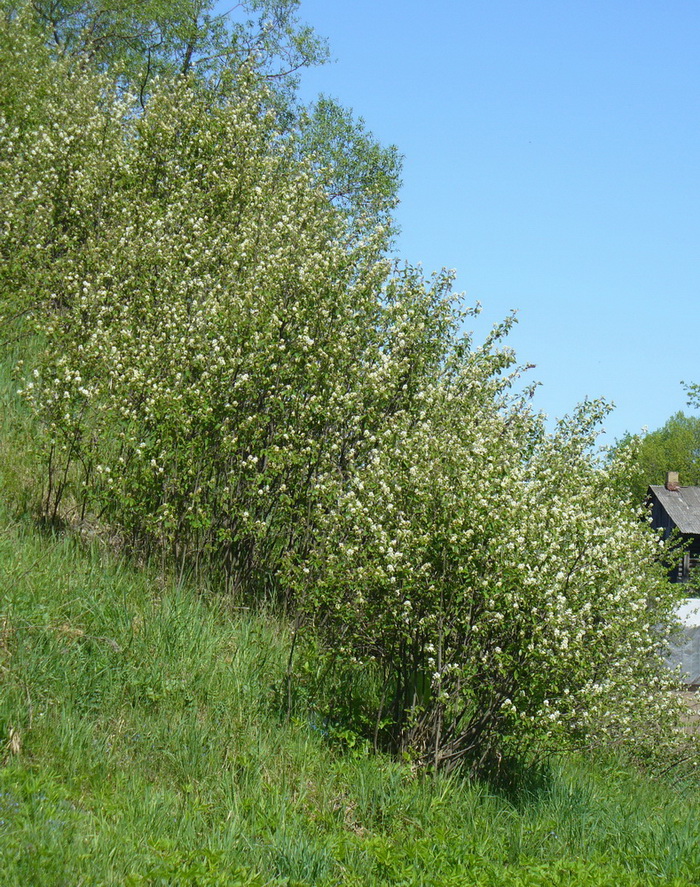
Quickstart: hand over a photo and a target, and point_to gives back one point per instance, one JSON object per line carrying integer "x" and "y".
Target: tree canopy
{"x": 152, "y": 38}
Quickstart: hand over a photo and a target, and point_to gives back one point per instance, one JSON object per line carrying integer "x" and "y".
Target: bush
{"x": 491, "y": 579}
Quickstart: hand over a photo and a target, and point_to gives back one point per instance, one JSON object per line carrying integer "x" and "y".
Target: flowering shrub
{"x": 493, "y": 581}
{"x": 59, "y": 140}
{"x": 225, "y": 341}
{"x": 235, "y": 376}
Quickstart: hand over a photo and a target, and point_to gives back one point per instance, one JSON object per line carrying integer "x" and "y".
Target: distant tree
{"x": 693, "y": 392}
{"x": 673, "y": 447}
{"x": 155, "y": 38}
{"x": 361, "y": 176}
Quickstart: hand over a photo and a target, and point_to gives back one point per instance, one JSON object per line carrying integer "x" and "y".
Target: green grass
{"x": 141, "y": 743}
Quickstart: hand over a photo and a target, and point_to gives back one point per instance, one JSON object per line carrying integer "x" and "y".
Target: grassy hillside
{"x": 141, "y": 743}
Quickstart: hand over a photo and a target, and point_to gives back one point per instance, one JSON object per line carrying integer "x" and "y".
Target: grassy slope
{"x": 140, "y": 744}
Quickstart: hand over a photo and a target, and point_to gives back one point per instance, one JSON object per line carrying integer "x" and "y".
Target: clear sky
{"x": 552, "y": 158}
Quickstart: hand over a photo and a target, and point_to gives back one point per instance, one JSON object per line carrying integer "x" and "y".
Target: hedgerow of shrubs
{"x": 235, "y": 377}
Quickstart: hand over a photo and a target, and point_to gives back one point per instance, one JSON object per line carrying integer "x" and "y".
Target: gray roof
{"x": 682, "y": 506}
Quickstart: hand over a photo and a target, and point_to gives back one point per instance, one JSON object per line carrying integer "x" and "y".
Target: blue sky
{"x": 551, "y": 158}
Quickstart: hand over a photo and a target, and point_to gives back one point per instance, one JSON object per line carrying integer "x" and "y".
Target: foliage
{"x": 673, "y": 447}
{"x": 234, "y": 377}
{"x": 206, "y": 239}
{"x": 360, "y": 175}
{"x": 136, "y": 44}
{"x": 56, "y": 144}
{"x": 692, "y": 390}
{"x": 154, "y": 38}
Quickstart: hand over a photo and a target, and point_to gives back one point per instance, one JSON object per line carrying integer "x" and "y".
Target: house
{"x": 674, "y": 507}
